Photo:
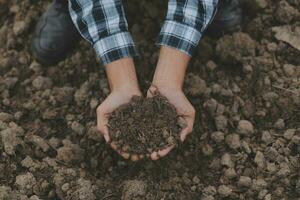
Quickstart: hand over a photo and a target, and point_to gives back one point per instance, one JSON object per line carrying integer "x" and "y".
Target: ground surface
{"x": 245, "y": 88}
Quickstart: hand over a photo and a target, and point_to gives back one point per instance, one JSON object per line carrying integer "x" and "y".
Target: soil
{"x": 145, "y": 125}
{"x": 245, "y": 87}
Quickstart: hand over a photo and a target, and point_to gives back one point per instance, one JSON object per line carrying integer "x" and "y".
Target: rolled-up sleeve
{"x": 103, "y": 23}
{"x": 185, "y": 23}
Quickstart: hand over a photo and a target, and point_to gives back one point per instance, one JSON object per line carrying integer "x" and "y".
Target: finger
{"x": 103, "y": 129}
{"x": 165, "y": 151}
{"x": 134, "y": 158}
{"x": 189, "y": 128}
{"x": 125, "y": 155}
{"x": 154, "y": 156}
{"x": 106, "y": 134}
{"x": 184, "y": 133}
{"x": 114, "y": 146}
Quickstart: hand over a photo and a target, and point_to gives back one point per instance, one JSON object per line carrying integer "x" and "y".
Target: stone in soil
{"x": 145, "y": 125}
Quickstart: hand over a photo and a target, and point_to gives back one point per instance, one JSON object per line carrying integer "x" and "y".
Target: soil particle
{"x": 230, "y": 173}
{"x": 221, "y": 123}
{"x": 289, "y": 69}
{"x": 245, "y": 128}
{"x": 234, "y": 48}
{"x": 70, "y": 152}
{"x": 259, "y": 184}
{"x": 145, "y": 125}
{"x": 38, "y": 142}
{"x": 267, "y": 137}
{"x": 19, "y": 27}
{"x": 78, "y": 128}
{"x": 82, "y": 94}
{"x": 245, "y": 181}
{"x": 261, "y": 4}
{"x": 10, "y": 139}
{"x": 227, "y": 161}
{"x": 28, "y": 162}
{"x": 288, "y": 134}
{"x": 233, "y": 141}
{"x": 217, "y": 136}
{"x": 63, "y": 95}
{"x": 195, "y": 85}
{"x": 285, "y": 13}
{"x": 134, "y": 190}
{"x": 210, "y": 191}
{"x": 224, "y": 191}
{"x": 41, "y": 83}
{"x": 34, "y": 197}
{"x": 284, "y": 170}
{"x": 84, "y": 190}
{"x": 6, "y": 117}
{"x": 5, "y": 192}
{"x": 208, "y": 197}
{"x": 260, "y": 159}
{"x": 26, "y": 183}
{"x": 289, "y": 35}
{"x": 279, "y": 124}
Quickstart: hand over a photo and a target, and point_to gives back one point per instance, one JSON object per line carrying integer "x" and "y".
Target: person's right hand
{"x": 112, "y": 102}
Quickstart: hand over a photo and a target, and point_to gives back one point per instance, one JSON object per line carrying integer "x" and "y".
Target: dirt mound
{"x": 145, "y": 125}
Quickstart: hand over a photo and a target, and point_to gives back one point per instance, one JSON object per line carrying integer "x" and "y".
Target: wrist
{"x": 121, "y": 76}
{"x": 167, "y": 84}
{"x": 126, "y": 88}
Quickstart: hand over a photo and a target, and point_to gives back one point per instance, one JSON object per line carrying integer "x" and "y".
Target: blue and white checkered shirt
{"x": 104, "y": 25}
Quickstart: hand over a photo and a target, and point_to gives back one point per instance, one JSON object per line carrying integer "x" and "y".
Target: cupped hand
{"x": 184, "y": 108}
{"x": 111, "y": 103}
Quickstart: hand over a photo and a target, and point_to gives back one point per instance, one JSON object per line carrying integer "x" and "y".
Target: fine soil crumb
{"x": 145, "y": 125}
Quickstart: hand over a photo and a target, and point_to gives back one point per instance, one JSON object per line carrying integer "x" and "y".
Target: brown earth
{"x": 245, "y": 88}
{"x": 145, "y": 125}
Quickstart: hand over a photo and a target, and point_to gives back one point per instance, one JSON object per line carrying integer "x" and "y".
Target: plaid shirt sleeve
{"x": 185, "y": 23}
{"x": 104, "y": 25}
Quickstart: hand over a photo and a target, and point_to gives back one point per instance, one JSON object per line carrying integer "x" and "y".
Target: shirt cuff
{"x": 180, "y": 36}
{"x": 115, "y": 47}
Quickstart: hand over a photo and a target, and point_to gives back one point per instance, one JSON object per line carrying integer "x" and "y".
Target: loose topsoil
{"x": 244, "y": 86}
{"x": 145, "y": 125}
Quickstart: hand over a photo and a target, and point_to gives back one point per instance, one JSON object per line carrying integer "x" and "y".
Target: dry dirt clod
{"x": 260, "y": 159}
{"x": 233, "y": 141}
{"x": 25, "y": 183}
{"x": 78, "y": 128}
{"x": 70, "y": 152}
{"x": 41, "y": 83}
{"x": 10, "y": 140}
{"x": 133, "y": 189}
{"x": 245, "y": 128}
{"x": 227, "y": 161}
{"x": 221, "y": 123}
{"x": 218, "y": 136}
{"x": 232, "y": 49}
{"x": 224, "y": 191}
{"x": 245, "y": 181}
{"x": 6, "y": 117}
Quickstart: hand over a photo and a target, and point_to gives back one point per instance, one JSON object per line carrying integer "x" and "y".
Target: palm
{"x": 184, "y": 109}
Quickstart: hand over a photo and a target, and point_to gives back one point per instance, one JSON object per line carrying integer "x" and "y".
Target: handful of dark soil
{"x": 145, "y": 125}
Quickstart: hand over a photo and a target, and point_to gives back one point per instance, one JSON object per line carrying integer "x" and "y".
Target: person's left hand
{"x": 184, "y": 109}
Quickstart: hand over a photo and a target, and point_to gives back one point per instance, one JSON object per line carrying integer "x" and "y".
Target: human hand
{"x": 184, "y": 108}
{"x": 112, "y": 102}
